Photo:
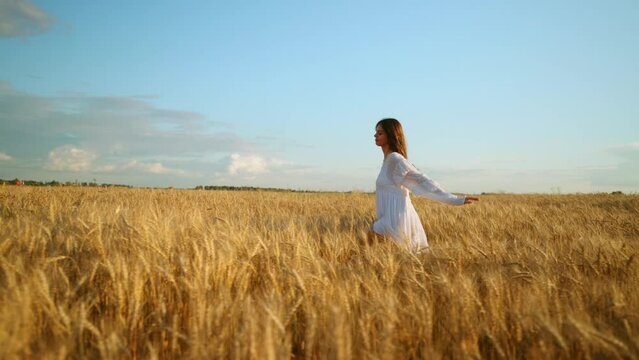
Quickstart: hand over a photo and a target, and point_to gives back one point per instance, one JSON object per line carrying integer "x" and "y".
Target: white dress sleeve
{"x": 403, "y": 173}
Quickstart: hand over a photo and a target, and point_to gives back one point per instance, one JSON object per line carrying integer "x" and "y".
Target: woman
{"x": 396, "y": 216}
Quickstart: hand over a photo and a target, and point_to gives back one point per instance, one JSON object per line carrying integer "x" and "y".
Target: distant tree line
{"x": 58, "y": 183}
{"x": 554, "y": 193}
{"x": 247, "y": 188}
{"x": 19, "y": 182}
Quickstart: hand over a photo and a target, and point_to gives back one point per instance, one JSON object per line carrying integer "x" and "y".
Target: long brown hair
{"x": 395, "y": 134}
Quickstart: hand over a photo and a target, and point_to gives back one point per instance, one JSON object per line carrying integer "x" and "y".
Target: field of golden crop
{"x": 143, "y": 273}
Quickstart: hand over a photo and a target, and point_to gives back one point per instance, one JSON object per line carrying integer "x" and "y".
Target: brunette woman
{"x": 396, "y": 216}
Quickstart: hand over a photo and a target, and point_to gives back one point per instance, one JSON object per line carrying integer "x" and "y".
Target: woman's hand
{"x": 470, "y": 199}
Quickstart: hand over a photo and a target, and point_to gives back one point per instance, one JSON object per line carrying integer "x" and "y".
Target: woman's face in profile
{"x": 380, "y": 136}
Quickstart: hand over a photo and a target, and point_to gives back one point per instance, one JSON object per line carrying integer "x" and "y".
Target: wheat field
{"x": 164, "y": 273}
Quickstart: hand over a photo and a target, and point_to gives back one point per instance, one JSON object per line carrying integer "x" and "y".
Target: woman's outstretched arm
{"x": 405, "y": 174}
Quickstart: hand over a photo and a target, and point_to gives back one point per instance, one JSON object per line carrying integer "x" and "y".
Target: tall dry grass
{"x": 121, "y": 273}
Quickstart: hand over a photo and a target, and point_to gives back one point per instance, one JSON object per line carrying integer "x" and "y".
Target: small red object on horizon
{"x": 19, "y": 182}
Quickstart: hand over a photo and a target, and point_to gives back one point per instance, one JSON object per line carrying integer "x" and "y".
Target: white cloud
{"x": 156, "y": 168}
{"x": 630, "y": 150}
{"x": 107, "y": 168}
{"x": 252, "y": 164}
{"x": 22, "y": 18}
{"x": 70, "y": 158}
{"x": 120, "y": 128}
{"x": 121, "y": 139}
{"x": 145, "y": 167}
{"x": 264, "y": 171}
{"x": 5, "y": 157}
{"x": 625, "y": 175}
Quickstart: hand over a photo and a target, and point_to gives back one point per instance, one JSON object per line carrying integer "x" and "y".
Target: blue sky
{"x": 526, "y": 96}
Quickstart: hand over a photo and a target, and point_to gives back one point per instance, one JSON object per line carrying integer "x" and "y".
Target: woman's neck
{"x": 386, "y": 150}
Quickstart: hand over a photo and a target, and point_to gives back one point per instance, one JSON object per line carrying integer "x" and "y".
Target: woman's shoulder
{"x": 395, "y": 156}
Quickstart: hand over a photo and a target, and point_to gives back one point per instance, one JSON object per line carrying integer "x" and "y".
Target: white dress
{"x": 396, "y": 216}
